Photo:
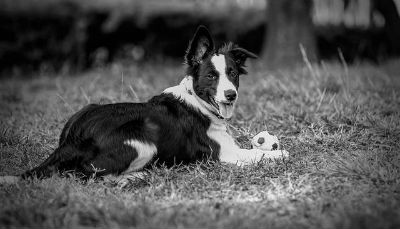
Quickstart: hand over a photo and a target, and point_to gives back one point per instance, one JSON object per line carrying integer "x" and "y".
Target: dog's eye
{"x": 233, "y": 74}
{"x": 212, "y": 76}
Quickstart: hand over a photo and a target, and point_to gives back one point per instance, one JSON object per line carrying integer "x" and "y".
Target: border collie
{"x": 184, "y": 124}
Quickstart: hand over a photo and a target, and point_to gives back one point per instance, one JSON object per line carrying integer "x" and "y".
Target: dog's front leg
{"x": 230, "y": 152}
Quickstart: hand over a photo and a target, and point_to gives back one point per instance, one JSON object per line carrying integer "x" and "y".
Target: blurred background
{"x": 75, "y": 35}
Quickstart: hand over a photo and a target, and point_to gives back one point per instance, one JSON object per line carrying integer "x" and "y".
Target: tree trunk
{"x": 290, "y": 27}
{"x": 388, "y": 10}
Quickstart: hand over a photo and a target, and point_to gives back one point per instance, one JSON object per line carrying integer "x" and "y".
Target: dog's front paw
{"x": 265, "y": 141}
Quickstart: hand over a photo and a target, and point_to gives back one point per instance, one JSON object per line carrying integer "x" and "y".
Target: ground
{"x": 341, "y": 125}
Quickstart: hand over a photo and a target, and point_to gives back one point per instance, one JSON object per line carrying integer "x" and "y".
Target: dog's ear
{"x": 200, "y": 47}
{"x": 240, "y": 55}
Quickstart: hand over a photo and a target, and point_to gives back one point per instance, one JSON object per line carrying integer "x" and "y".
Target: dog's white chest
{"x": 228, "y": 147}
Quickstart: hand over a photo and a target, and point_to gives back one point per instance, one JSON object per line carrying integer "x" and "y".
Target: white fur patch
{"x": 145, "y": 152}
{"x": 224, "y": 84}
{"x": 228, "y": 148}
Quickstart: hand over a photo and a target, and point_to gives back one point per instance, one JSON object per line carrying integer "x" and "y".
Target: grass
{"x": 341, "y": 126}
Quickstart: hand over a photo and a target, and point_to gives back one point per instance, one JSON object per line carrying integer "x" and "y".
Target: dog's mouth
{"x": 224, "y": 108}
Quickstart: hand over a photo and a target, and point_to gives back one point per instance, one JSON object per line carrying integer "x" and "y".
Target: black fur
{"x": 235, "y": 58}
{"x": 93, "y": 137}
{"x": 92, "y": 141}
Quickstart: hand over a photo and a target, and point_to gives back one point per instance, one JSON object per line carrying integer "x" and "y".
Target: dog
{"x": 185, "y": 124}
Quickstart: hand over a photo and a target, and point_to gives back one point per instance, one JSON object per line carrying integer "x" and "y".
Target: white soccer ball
{"x": 265, "y": 141}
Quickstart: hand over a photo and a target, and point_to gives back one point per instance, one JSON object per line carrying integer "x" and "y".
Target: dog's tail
{"x": 50, "y": 165}
{"x": 44, "y": 170}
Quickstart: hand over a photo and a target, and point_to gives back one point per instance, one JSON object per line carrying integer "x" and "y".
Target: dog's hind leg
{"x": 124, "y": 163}
{"x": 114, "y": 159}
{"x": 122, "y": 159}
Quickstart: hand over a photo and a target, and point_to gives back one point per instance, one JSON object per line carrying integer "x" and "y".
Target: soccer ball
{"x": 265, "y": 141}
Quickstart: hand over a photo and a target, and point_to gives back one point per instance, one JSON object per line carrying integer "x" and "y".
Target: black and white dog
{"x": 184, "y": 124}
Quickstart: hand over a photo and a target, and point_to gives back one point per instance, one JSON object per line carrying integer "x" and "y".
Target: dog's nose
{"x": 230, "y": 95}
{"x": 274, "y": 146}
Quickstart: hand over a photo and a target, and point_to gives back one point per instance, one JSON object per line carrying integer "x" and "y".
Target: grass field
{"x": 341, "y": 126}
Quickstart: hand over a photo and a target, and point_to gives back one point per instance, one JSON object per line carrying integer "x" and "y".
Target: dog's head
{"x": 216, "y": 72}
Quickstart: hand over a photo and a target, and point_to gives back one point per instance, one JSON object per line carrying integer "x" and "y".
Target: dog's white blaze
{"x": 224, "y": 83}
{"x": 145, "y": 153}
